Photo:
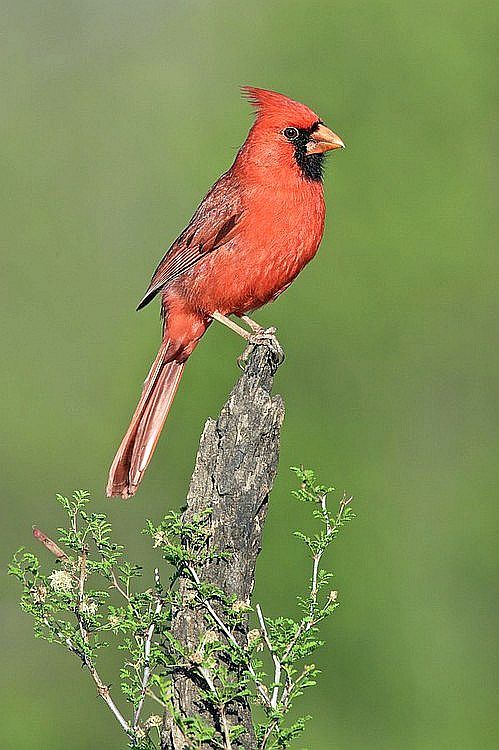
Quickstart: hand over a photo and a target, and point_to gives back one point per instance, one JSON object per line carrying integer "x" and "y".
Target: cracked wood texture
{"x": 235, "y": 468}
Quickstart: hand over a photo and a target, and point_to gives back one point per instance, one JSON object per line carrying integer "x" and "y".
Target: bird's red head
{"x": 287, "y": 133}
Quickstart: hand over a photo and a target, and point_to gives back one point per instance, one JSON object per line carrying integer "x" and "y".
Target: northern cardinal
{"x": 255, "y": 230}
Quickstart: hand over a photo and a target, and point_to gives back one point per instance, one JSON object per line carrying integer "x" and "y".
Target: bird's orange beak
{"x": 323, "y": 139}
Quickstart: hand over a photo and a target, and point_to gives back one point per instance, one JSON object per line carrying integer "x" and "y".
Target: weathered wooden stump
{"x": 235, "y": 468}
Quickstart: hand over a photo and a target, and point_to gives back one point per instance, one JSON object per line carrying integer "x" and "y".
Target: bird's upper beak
{"x": 323, "y": 139}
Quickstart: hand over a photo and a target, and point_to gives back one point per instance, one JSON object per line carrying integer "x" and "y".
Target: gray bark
{"x": 235, "y": 468}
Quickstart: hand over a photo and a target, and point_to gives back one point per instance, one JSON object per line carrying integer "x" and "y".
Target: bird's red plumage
{"x": 255, "y": 230}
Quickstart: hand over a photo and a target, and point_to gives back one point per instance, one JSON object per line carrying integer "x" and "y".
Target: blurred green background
{"x": 115, "y": 119}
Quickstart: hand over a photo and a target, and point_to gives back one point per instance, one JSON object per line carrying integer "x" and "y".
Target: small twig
{"x": 147, "y": 654}
{"x": 310, "y": 622}
{"x": 81, "y": 595}
{"x": 285, "y": 704}
{"x": 267, "y": 734}
{"x": 317, "y": 559}
{"x": 275, "y": 658}
{"x": 119, "y": 588}
{"x": 151, "y": 694}
{"x": 325, "y": 513}
{"x": 65, "y": 639}
{"x": 313, "y": 589}
{"x": 102, "y": 689}
{"x": 124, "y": 594}
{"x": 225, "y": 728}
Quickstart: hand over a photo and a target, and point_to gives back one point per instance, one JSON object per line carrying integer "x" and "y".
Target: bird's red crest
{"x": 272, "y": 106}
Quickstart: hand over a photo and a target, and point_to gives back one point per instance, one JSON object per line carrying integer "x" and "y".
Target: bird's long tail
{"x": 140, "y": 440}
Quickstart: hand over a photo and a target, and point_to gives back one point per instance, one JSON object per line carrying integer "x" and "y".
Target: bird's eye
{"x": 291, "y": 133}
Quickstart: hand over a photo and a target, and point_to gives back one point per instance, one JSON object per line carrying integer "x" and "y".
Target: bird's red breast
{"x": 279, "y": 229}
{"x": 261, "y": 222}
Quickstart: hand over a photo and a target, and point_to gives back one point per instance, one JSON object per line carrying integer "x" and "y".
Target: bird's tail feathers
{"x": 140, "y": 440}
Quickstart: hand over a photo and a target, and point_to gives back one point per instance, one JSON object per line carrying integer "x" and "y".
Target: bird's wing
{"x": 214, "y": 224}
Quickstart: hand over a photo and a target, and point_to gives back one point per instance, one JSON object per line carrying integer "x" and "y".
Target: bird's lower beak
{"x": 323, "y": 139}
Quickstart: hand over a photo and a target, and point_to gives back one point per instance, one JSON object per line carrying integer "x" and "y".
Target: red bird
{"x": 255, "y": 230}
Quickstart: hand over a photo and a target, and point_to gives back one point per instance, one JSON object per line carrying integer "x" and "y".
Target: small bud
{"x": 140, "y": 733}
{"x": 255, "y": 638}
{"x": 153, "y": 721}
{"x": 114, "y": 620}
{"x": 333, "y": 596}
{"x": 61, "y": 581}
{"x": 240, "y": 606}
{"x": 196, "y": 657}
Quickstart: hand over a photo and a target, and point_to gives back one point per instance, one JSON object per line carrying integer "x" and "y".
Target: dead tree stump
{"x": 235, "y": 468}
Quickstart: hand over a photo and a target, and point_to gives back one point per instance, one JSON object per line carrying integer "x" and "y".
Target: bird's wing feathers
{"x": 214, "y": 224}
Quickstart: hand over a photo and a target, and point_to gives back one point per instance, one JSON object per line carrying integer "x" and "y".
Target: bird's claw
{"x": 264, "y": 337}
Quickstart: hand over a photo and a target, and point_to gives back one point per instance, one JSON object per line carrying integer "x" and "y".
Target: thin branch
{"x": 285, "y": 704}
{"x": 102, "y": 689}
{"x": 81, "y": 595}
{"x": 225, "y": 728}
{"x": 325, "y": 513}
{"x": 310, "y": 622}
{"x": 147, "y": 654}
{"x": 118, "y": 588}
{"x": 305, "y": 625}
{"x": 275, "y": 658}
{"x": 314, "y": 589}
{"x": 317, "y": 559}
{"x": 151, "y": 694}
{"x": 267, "y": 734}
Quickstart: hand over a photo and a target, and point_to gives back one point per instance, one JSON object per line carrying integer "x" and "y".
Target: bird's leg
{"x": 259, "y": 337}
{"x": 230, "y": 324}
{"x": 255, "y": 327}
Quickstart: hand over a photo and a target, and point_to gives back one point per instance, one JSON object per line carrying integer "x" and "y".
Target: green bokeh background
{"x": 115, "y": 118}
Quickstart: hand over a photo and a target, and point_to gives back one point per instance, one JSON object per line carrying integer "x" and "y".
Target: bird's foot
{"x": 263, "y": 337}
